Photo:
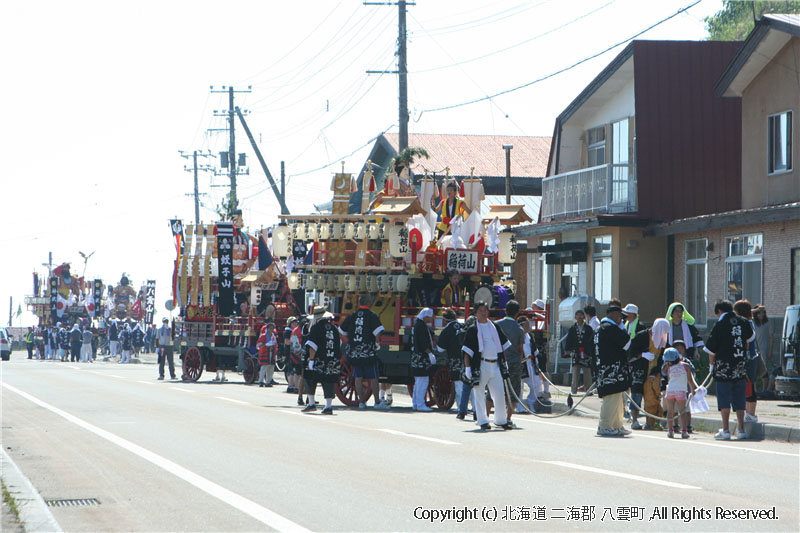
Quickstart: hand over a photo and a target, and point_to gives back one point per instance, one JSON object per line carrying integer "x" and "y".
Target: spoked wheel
{"x": 442, "y": 389}
{"x": 192, "y": 364}
{"x": 249, "y": 373}
{"x": 346, "y": 387}
{"x": 430, "y": 401}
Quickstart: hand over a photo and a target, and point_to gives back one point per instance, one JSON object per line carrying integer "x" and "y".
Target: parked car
{"x": 5, "y": 345}
{"x": 788, "y": 383}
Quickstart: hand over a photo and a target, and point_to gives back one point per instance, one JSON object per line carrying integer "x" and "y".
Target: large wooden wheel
{"x": 192, "y": 364}
{"x": 250, "y": 371}
{"x": 442, "y": 388}
{"x": 430, "y": 401}
{"x": 346, "y": 387}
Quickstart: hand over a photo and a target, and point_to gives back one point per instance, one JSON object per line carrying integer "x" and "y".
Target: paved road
{"x": 171, "y": 456}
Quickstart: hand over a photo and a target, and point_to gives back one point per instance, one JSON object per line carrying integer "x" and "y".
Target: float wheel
{"x": 442, "y": 388}
{"x": 192, "y": 364}
{"x": 249, "y": 373}
{"x": 346, "y": 387}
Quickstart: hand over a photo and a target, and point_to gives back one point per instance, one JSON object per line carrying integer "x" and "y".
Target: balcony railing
{"x": 602, "y": 189}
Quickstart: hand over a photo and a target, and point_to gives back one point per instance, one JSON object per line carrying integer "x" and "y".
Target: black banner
{"x": 97, "y": 294}
{"x": 53, "y": 294}
{"x": 35, "y": 284}
{"x": 225, "y": 267}
{"x": 149, "y": 301}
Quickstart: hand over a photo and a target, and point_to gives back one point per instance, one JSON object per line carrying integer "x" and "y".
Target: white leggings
{"x": 420, "y": 389}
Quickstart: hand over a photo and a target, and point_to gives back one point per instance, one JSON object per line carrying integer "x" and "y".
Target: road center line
{"x": 183, "y": 390}
{"x": 622, "y": 475}
{"x": 245, "y": 505}
{"x": 231, "y": 400}
{"x": 420, "y": 437}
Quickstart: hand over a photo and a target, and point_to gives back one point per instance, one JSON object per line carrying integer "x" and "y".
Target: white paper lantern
{"x": 349, "y": 283}
{"x": 374, "y": 231}
{"x": 331, "y": 282}
{"x": 359, "y": 231}
{"x": 383, "y": 231}
{"x": 507, "y": 249}
{"x": 361, "y": 283}
{"x": 401, "y": 283}
{"x": 340, "y": 284}
{"x": 324, "y": 231}
{"x": 282, "y": 241}
{"x": 398, "y": 241}
{"x": 312, "y": 231}
{"x": 382, "y": 283}
{"x": 294, "y": 280}
{"x": 349, "y": 231}
{"x": 372, "y": 283}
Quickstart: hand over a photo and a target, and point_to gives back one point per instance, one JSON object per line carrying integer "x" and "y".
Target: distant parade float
{"x": 406, "y": 250}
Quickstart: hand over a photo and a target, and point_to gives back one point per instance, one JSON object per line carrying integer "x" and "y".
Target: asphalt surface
{"x": 172, "y": 456}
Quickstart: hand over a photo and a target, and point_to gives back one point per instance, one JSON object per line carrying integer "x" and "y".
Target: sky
{"x": 101, "y": 96}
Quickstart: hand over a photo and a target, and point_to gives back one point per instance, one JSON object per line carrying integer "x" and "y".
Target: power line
{"x": 526, "y": 41}
{"x": 565, "y": 69}
{"x": 510, "y": 12}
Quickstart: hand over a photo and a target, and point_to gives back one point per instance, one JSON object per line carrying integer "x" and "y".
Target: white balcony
{"x": 604, "y": 189}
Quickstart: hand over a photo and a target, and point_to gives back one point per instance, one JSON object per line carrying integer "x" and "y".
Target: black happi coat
{"x": 697, "y": 341}
{"x": 324, "y": 339}
{"x": 450, "y": 340}
{"x": 113, "y": 331}
{"x": 638, "y": 364}
{"x": 472, "y": 349}
{"x": 125, "y": 339}
{"x": 421, "y": 342}
{"x": 138, "y": 337}
{"x": 361, "y": 329}
{"x": 63, "y": 339}
{"x": 580, "y": 337}
{"x": 611, "y": 345}
{"x": 728, "y": 344}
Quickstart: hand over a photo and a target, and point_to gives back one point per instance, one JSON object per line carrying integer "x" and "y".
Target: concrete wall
{"x": 774, "y": 90}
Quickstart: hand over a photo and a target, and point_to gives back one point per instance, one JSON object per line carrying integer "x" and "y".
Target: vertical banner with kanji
{"x": 225, "y": 267}
{"x": 176, "y": 225}
{"x": 53, "y": 295}
{"x": 149, "y": 301}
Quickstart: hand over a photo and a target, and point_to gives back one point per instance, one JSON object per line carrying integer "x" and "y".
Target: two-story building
{"x": 647, "y": 141}
{"x": 752, "y": 252}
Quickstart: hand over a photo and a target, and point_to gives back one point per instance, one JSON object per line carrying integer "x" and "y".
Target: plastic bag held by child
{"x": 698, "y": 403}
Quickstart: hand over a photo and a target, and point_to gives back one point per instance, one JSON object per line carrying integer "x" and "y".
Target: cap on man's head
{"x": 612, "y": 308}
{"x": 631, "y": 309}
{"x": 539, "y": 303}
{"x": 165, "y": 320}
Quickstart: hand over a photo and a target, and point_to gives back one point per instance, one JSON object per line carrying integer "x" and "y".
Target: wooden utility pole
{"x": 232, "y": 151}
{"x": 507, "y": 148}
{"x": 194, "y": 169}
{"x": 402, "y": 68}
{"x": 403, "y": 73}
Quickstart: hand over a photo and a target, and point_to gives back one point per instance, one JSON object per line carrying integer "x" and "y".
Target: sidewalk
{"x": 777, "y": 419}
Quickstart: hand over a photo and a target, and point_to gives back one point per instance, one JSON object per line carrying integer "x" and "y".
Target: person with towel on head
{"x": 485, "y": 364}
{"x": 322, "y": 359}
{"x": 683, "y": 328}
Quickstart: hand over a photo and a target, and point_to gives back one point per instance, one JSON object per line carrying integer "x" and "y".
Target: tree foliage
{"x": 737, "y": 18}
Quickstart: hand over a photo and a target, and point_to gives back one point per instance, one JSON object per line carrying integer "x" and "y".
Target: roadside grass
{"x": 9, "y": 500}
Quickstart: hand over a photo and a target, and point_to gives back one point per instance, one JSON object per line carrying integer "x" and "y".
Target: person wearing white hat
{"x": 632, "y": 325}
{"x": 322, "y": 364}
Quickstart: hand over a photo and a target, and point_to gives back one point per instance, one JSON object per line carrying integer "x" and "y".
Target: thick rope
{"x": 576, "y": 395}
{"x": 686, "y": 409}
{"x": 534, "y": 413}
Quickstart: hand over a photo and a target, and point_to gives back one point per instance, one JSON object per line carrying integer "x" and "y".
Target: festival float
{"x": 395, "y": 250}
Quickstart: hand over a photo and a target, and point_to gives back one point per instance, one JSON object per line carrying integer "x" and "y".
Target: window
{"x": 696, "y": 275}
{"x": 620, "y": 160}
{"x": 596, "y": 147}
{"x": 546, "y": 275}
{"x": 601, "y": 263}
{"x": 795, "y": 276}
{"x": 779, "y": 142}
{"x": 743, "y": 267}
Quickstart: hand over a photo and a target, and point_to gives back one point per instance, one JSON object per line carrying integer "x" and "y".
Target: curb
{"x": 755, "y": 430}
{"x": 33, "y": 512}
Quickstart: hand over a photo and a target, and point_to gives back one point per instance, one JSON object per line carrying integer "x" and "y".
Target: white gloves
{"x": 311, "y": 364}
{"x": 711, "y": 368}
{"x": 649, "y": 356}
{"x": 432, "y": 358}
{"x": 468, "y": 372}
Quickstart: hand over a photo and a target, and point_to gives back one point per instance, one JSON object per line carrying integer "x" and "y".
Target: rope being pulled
{"x": 706, "y": 383}
{"x": 534, "y": 413}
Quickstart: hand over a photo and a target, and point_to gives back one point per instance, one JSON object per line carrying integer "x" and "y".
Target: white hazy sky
{"x": 99, "y": 97}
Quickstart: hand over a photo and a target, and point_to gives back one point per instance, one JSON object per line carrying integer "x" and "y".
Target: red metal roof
{"x": 484, "y": 152}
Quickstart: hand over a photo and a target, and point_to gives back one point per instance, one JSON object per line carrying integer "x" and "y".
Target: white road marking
{"x": 145, "y": 382}
{"x": 116, "y": 376}
{"x": 420, "y": 437}
{"x": 231, "y": 400}
{"x": 639, "y": 435}
{"x": 75, "y": 367}
{"x": 622, "y": 475}
{"x": 183, "y": 390}
{"x": 245, "y": 505}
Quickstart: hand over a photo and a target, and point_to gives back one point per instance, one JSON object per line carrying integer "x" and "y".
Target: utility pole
{"x": 234, "y": 201}
{"x": 507, "y": 148}
{"x": 281, "y": 199}
{"x": 10, "y": 309}
{"x": 194, "y": 168}
{"x": 283, "y": 181}
{"x": 402, "y": 67}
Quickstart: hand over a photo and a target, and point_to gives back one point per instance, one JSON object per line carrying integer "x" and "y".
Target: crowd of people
{"x": 656, "y": 365}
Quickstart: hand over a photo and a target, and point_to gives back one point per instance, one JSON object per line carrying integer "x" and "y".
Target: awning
{"x": 508, "y": 215}
{"x": 407, "y": 206}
